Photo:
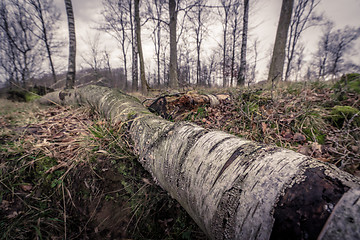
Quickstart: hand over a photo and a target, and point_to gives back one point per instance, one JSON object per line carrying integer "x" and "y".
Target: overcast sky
{"x": 263, "y": 24}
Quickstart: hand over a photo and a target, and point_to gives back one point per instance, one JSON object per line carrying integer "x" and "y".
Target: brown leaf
{"x": 12, "y": 215}
{"x": 355, "y": 149}
{"x": 146, "y": 181}
{"x": 316, "y": 147}
{"x": 26, "y": 187}
{"x": 305, "y": 150}
{"x": 264, "y": 127}
{"x": 4, "y": 205}
{"x": 288, "y": 135}
{"x": 298, "y": 137}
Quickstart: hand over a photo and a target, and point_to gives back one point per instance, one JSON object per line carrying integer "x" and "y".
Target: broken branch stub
{"x": 232, "y": 187}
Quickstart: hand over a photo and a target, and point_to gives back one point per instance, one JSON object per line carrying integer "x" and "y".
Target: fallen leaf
{"x": 298, "y": 137}
{"x": 26, "y": 187}
{"x": 12, "y": 215}
{"x": 4, "y": 204}
{"x": 305, "y": 150}
{"x": 264, "y": 127}
{"x": 316, "y": 147}
{"x": 146, "y": 181}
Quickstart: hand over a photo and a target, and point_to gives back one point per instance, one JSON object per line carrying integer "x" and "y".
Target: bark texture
{"x": 144, "y": 85}
{"x": 70, "y": 77}
{"x": 174, "y": 82}
{"x": 232, "y": 187}
{"x": 242, "y": 70}
{"x": 278, "y": 56}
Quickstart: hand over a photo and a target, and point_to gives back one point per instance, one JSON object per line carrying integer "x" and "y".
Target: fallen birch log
{"x": 233, "y": 188}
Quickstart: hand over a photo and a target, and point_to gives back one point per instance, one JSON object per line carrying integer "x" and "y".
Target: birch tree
{"x": 70, "y": 77}
{"x": 242, "y": 70}
{"x": 174, "y": 81}
{"x": 232, "y": 187}
{"x": 278, "y": 56}
{"x": 225, "y": 12}
{"x": 156, "y": 12}
{"x": 235, "y": 21}
{"x": 199, "y": 16}
{"x": 144, "y": 85}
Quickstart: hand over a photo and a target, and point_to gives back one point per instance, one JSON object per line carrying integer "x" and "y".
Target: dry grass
{"x": 68, "y": 174}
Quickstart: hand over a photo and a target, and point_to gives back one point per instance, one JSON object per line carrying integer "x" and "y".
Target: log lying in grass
{"x": 233, "y": 188}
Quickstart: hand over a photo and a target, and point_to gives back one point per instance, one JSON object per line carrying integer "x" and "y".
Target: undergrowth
{"x": 306, "y": 117}
{"x": 68, "y": 174}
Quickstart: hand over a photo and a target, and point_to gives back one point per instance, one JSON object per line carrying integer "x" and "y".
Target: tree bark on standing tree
{"x": 174, "y": 82}
{"x": 144, "y": 85}
{"x": 134, "y": 67}
{"x": 278, "y": 56}
{"x": 232, "y": 187}
{"x": 70, "y": 77}
{"x": 242, "y": 71}
{"x": 225, "y": 5}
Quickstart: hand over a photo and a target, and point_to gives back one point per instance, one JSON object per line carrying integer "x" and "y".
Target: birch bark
{"x": 232, "y": 187}
{"x": 70, "y": 77}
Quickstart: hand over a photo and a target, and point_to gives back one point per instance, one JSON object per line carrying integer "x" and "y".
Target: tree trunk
{"x": 70, "y": 77}
{"x": 242, "y": 71}
{"x": 134, "y": 67}
{"x": 232, "y": 187}
{"x": 144, "y": 85}
{"x": 278, "y": 57}
{"x": 39, "y": 10}
{"x": 174, "y": 82}
{"x": 225, "y": 83}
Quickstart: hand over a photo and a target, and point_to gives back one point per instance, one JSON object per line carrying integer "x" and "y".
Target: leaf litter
{"x": 294, "y": 116}
{"x": 66, "y": 173}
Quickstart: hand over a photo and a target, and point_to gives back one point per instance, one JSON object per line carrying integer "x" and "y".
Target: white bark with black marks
{"x": 232, "y": 187}
{"x": 70, "y": 77}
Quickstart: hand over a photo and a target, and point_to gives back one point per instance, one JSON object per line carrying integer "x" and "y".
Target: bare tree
{"x": 173, "y": 11}
{"x": 134, "y": 66}
{"x": 144, "y": 85}
{"x": 93, "y": 57}
{"x": 70, "y": 77}
{"x": 117, "y": 16}
{"x": 253, "y": 65}
{"x": 20, "y": 51}
{"x": 156, "y": 12}
{"x": 324, "y": 49}
{"x": 341, "y": 42}
{"x": 225, "y": 13}
{"x": 45, "y": 18}
{"x": 235, "y": 21}
{"x": 242, "y": 71}
{"x": 278, "y": 56}
{"x": 303, "y": 17}
{"x": 199, "y": 16}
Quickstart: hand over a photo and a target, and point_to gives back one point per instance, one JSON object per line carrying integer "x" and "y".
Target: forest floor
{"x": 66, "y": 173}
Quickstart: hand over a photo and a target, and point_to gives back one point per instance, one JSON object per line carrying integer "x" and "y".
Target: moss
{"x": 29, "y": 97}
{"x": 348, "y": 83}
{"x": 314, "y": 133}
{"x": 340, "y": 114}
